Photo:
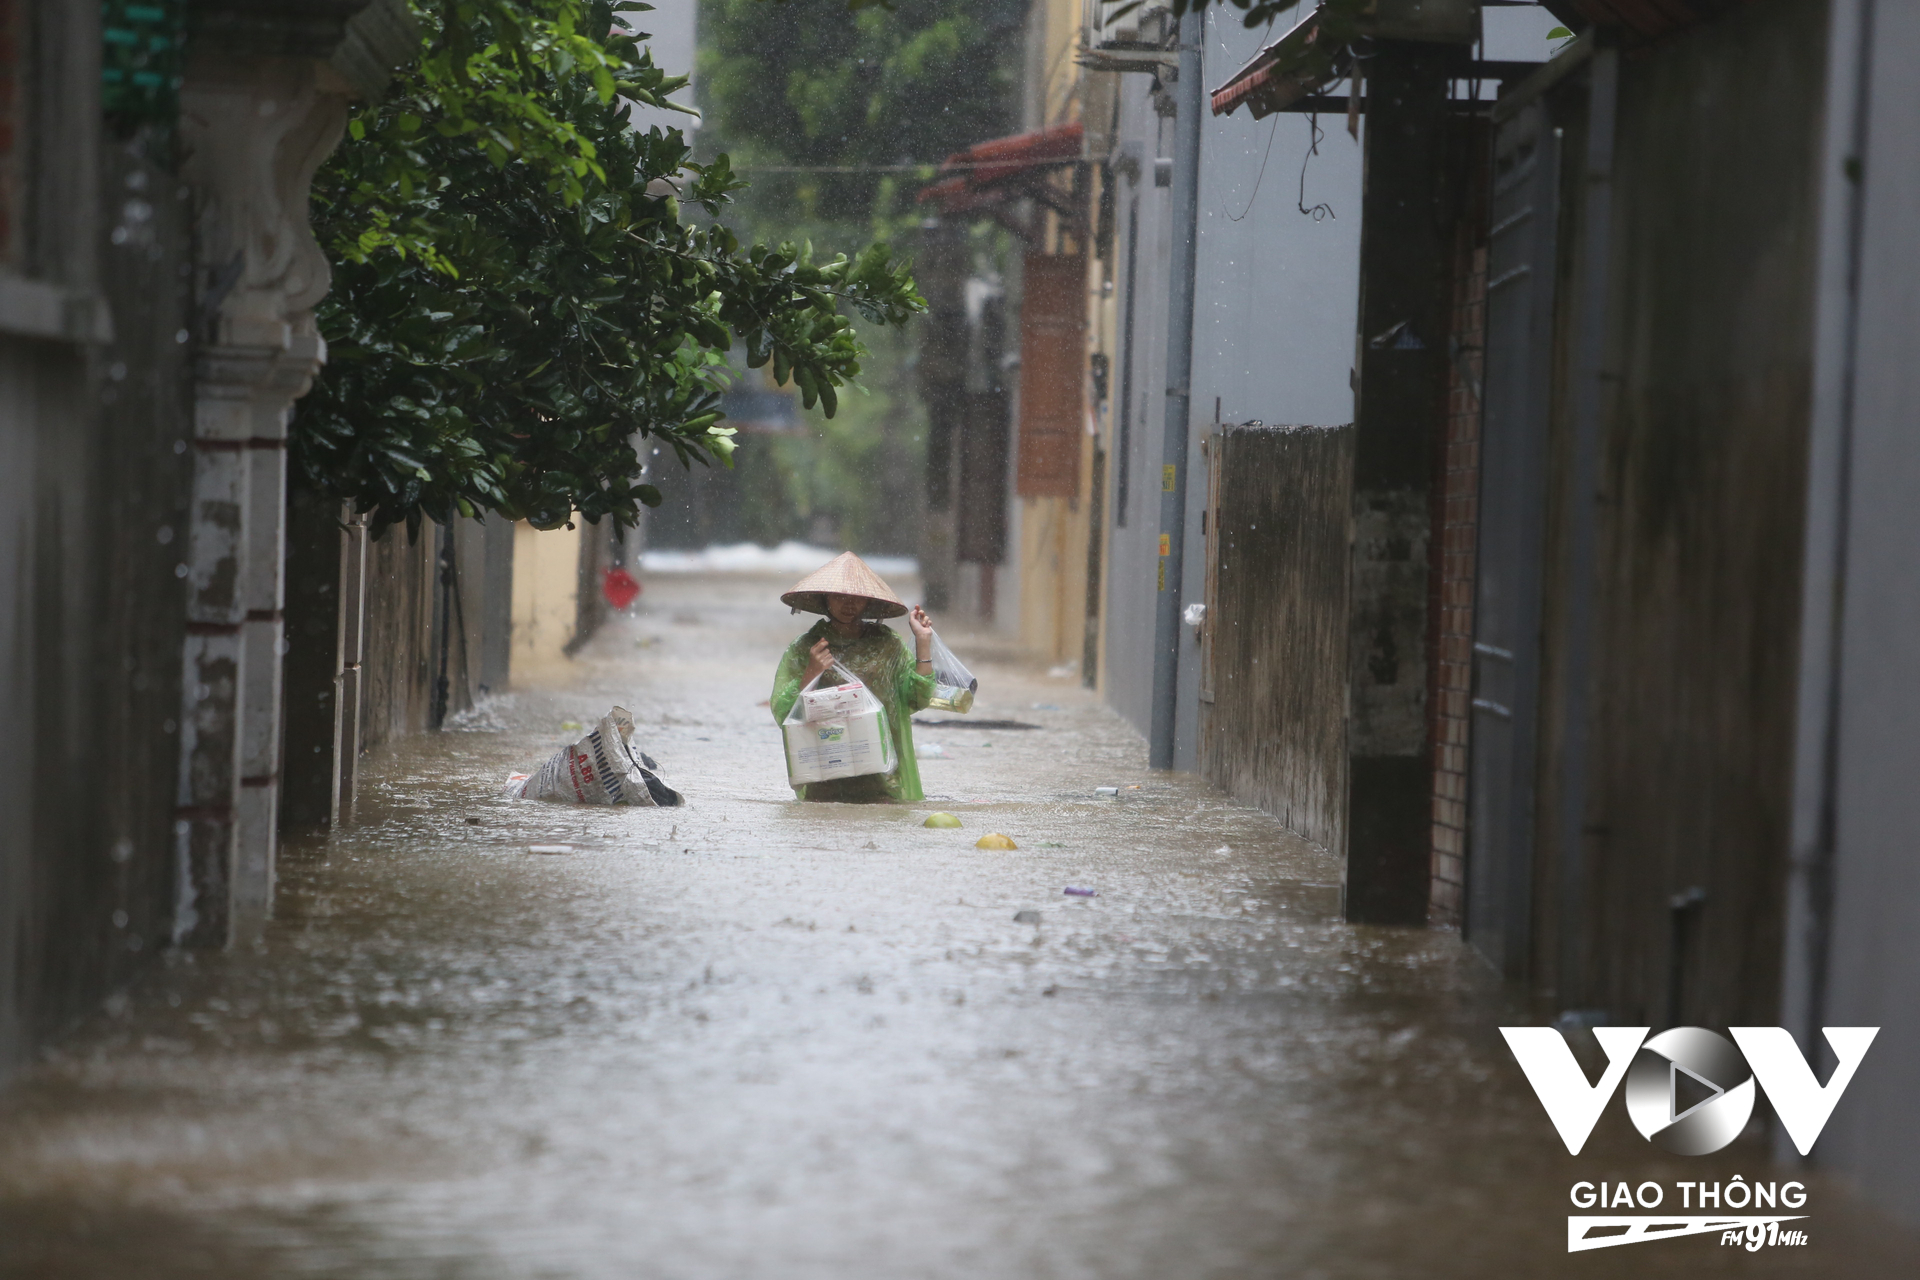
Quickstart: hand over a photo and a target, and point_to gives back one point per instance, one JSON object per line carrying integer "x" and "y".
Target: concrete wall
{"x": 674, "y": 26}
{"x": 1136, "y": 423}
{"x": 1273, "y": 730}
{"x": 1273, "y": 333}
{"x": 1852, "y": 958}
{"x": 93, "y": 415}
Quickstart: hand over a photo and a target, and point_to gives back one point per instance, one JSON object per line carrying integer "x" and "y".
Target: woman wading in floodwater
{"x": 853, "y": 597}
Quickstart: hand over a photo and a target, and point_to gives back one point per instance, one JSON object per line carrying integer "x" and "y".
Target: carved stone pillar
{"x": 265, "y": 100}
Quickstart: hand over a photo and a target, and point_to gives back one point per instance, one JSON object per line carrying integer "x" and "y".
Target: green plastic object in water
{"x": 941, "y": 820}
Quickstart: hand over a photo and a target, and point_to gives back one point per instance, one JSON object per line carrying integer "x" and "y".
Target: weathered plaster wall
{"x": 143, "y": 474}
{"x": 93, "y": 489}
{"x": 1273, "y": 334}
{"x": 546, "y": 592}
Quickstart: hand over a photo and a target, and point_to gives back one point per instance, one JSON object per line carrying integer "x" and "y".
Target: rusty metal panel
{"x": 1684, "y": 825}
{"x": 1514, "y": 436}
{"x": 1053, "y": 375}
{"x": 1275, "y": 735}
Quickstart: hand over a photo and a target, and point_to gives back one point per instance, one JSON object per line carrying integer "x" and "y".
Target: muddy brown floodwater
{"x": 753, "y": 1038}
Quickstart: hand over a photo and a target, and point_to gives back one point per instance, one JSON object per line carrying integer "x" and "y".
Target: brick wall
{"x": 1450, "y": 707}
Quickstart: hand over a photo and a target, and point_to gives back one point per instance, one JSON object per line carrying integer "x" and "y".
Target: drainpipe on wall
{"x": 1583, "y": 531}
{"x": 1173, "y": 457}
{"x": 1810, "y": 875}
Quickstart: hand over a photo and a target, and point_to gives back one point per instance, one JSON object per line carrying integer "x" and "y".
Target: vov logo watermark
{"x": 1691, "y": 1092}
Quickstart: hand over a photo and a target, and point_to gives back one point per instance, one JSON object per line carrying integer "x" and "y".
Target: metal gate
{"x": 1513, "y": 462}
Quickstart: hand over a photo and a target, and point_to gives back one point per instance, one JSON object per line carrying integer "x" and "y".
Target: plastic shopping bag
{"x": 953, "y": 685}
{"x": 602, "y": 767}
{"x": 837, "y": 730}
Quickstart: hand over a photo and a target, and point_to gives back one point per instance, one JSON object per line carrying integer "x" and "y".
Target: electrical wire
{"x": 1262, "y": 175}
{"x": 1322, "y": 211}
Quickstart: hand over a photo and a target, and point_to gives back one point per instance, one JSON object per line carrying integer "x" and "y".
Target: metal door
{"x": 1513, "y": 455}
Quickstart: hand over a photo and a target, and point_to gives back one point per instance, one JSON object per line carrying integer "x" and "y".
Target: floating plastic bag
{"x": 953, "y": 685}
{"x": 852, "y": 742}
{"x": 602, "y": 767}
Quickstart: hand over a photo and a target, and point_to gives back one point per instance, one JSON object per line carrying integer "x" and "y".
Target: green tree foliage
{"x": 834, "y": 109}
{"x": 518, "y": 295}
{"x": 815, "y": 84}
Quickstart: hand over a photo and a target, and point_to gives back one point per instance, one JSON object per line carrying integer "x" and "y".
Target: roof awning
{"x": 988, "y": 173}
{"x": 1648, "y": 21}
{"x": 1282, "y": 73}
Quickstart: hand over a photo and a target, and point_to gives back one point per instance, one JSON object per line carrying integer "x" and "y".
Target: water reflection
{"x": 756, "y": 1038}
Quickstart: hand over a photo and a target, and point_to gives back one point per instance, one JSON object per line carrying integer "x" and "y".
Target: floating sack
{"x": 994, "y": 840}
{"x": 953, "y": 685}
{"x": 602, "y": 767}
{"x": 941, "y": 820}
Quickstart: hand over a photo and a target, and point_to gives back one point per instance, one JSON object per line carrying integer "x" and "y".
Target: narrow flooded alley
{"x": 754, "y": 1038}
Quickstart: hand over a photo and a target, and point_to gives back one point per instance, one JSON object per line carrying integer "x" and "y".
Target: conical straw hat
{"x": 846, "y": 574}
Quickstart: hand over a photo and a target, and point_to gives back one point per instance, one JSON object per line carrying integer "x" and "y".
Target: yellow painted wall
{"x": 1061, "y": 37}
{"x": 546, "y": 588}
{"x": 1052, "y": 547}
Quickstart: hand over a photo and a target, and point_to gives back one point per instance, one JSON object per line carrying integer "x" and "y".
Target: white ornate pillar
{"x": 255, "y": 129}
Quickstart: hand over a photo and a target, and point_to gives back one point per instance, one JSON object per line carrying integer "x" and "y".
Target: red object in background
{"x": 618, "y": 586}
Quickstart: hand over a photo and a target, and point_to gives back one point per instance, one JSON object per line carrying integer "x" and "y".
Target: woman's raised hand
{"x": 819, "y": 658}
{"x": 920, "y": 624}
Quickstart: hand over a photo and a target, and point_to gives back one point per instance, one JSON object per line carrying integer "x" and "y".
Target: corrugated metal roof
{"x": 976, "y": 174}
{"x": 1261, "y": 83}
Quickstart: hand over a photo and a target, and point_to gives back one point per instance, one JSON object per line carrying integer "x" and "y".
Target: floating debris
{"x": 1026, "y": 917}
{"x": 1078, "y": 892}
{"x": 941, "y": 820}
{"x": 994, "y": 840}
{"x": 549, "y": 848}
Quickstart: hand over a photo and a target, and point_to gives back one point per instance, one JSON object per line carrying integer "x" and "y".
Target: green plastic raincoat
{"x": 884, "y": 663}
